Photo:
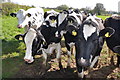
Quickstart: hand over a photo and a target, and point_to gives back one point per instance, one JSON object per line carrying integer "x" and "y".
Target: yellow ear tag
{"x": 74, "y": 33}
{"x": 107, "y": 34}
{"x": 20, "y": 38}
{"x": 53, "y": 21}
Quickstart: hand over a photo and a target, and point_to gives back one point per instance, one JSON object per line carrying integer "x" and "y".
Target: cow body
{"x": 70, "y": 22}
{"x": 87, "y": 46}
{"x": 31, "y": 20}
{"x": 113, "y": 42}
{"x": 51, "y": 42}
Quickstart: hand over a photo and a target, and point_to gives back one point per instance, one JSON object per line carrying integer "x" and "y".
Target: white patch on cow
{"x": 21, "y": 15}
{"x": 30, "y": 36}
{"x": 91, "y": 58}
{"x": 56, "y": 34}
{"x": 94, "y": 61}
{"x": 62, "y": 32}
{"x": 81, "y": 75}
{"x": 71, "y": 44}
{"x": 82, "y": 60}
{"x": 88, "y": 30}
{"x": 50, "y": 49}
{"x": 61, "y": 18}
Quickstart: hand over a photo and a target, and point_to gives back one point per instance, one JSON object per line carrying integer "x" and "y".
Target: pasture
{"x": 13, "y": 65}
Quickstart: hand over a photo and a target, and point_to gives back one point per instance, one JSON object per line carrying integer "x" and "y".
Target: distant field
{"x": 13, "y": 50}
{"x": 103, "y": 17}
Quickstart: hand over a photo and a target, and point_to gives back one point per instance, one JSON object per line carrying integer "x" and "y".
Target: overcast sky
{"x": 110, "y": 5}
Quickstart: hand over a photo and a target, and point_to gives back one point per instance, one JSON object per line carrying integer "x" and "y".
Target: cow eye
{"x": 95, "y": 40}
{"x": 28, "y": 14}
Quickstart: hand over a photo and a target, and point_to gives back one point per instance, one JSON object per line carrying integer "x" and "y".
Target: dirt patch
{"x": 37, "y": 69}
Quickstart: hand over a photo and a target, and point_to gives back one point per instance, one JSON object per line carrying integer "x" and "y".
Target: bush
{"x": 8, "y": 8}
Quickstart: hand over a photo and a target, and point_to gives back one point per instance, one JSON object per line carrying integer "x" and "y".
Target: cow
{"x": 51, "y": 43}
{"x": 113, "y": 42}
{"x": 68, "y": 27}
{"x": 89, "y": 43}
{"x": 31, "y": 20}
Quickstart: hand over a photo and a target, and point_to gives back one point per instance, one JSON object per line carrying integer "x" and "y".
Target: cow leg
{"x": 80, "y": 71}
{"x": 69, "y": 55}
{"x": 94, "y": 61}
{"x": 45, "y": 57}
{"x": 73, "y": 50}
{"x": 111, "y": 55}
{"x": 118, "y": 61}
{"x": 58, "y": 55}
{"x": 30, "y": 36}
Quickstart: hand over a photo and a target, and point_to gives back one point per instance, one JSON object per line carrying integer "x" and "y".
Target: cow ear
{"x": 107, "y": 32}
{"x": 117, "y": 49}
{"x": 13, "y": 14}
{"x": 45, "y": 15}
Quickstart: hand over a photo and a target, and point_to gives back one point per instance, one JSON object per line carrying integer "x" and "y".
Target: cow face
{"x": 20, "y": 16}
{"x": 68, "y": 23}
{"x": 62, "y": 22}
{"x": 33, "y": 17}
{"x": 88, "y": 42}
{"x": 51, "y": 20}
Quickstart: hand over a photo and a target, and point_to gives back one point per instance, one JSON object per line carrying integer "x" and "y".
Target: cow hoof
{"x": 68, "y": 67}
{"x": 29, "y": 63}
{"x": 61, "y": 67}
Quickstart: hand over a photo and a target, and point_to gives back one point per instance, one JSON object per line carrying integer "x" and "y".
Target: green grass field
{"x": 12, "y": 49}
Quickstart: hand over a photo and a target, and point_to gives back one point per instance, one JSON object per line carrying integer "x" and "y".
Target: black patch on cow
{"x": 29, "y": 15}
{"x": 35, "y": 14}
{"x": 13, "y": 14}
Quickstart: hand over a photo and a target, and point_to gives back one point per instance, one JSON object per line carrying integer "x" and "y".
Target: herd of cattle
{"x": 44, "y": 31}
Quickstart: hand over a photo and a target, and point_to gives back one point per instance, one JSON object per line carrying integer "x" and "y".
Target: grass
{"x": 103, "y": 17}
{"x": 12, "y": 50}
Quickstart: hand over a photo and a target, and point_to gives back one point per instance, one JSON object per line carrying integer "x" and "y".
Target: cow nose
{"x": 83, "y": 62}
{"x": 19, "y": 26}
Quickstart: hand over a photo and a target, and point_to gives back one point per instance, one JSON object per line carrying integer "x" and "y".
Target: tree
{"x": 99, "y": 9}
{"x": 62, "y": 7}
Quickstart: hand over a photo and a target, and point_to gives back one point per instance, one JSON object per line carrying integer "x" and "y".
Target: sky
{"x": 110, "y": 5}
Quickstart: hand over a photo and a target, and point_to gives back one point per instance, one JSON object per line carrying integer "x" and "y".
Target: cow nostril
{"x": 19, "y": 26}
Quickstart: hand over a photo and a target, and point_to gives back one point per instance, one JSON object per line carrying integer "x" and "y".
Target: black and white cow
{"x": 89, "y": 43}
{"x": 31, "y": 20}
{"x": 68, "y": 26}
{"x": 51, "y": 43}
{"x": 113, "y": 42}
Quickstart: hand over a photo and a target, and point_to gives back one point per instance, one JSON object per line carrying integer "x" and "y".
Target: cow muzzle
{"x": 19, "y": 26}
{"x": 83, "y": 62}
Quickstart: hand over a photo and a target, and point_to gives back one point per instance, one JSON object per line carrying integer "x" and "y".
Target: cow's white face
{"x": 33, "y": 17}
{"x": 20, "y": 16}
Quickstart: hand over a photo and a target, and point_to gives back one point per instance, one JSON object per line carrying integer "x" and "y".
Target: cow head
{"x": 68, "y": 22}
{"x": 88, "y": 41}
{"x": 33, "y": 17}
